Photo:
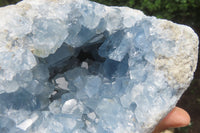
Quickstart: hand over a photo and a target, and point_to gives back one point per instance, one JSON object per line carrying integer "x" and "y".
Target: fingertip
{"x": 176, "y": 118}
{"x": 179, "y": 117}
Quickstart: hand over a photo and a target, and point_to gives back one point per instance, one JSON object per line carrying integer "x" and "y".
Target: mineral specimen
{"x": 75, "y": 66}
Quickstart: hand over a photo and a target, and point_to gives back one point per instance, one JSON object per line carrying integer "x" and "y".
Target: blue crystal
{"x": 75, "y": 66}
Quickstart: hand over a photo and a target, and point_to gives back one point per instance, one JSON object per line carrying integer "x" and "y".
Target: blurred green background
{"x": 180, "y": 11}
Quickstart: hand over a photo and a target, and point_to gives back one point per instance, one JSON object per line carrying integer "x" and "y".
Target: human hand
{"x": 176, "y": 118}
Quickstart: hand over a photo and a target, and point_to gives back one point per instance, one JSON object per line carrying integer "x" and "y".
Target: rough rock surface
{"x": 75, "y": 66}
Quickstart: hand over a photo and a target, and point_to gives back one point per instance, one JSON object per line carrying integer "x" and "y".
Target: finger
{"x": 176, "y": 118}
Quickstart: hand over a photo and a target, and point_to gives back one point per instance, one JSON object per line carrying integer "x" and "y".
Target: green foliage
{"x": 6, "y": 2}
{"x": 162, "y": 8}
{"x": 181, "y": 11}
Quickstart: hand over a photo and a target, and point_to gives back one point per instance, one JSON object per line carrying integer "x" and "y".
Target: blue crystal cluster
{"x": 75, "y": 66}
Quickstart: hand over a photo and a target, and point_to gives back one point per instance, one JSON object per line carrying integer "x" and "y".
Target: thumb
{"x": 176, "y": 118}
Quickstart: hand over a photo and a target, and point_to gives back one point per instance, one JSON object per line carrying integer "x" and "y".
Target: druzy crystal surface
{"x": 75, "y": 66}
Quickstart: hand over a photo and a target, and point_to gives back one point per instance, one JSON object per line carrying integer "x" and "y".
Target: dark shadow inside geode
{"x": 87, "y": 54}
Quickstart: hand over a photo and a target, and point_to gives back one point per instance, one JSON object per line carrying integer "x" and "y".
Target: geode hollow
{"x": 75, "y": 66}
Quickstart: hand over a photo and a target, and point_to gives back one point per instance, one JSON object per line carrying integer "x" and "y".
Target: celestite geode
{"x": 75, "y": 66}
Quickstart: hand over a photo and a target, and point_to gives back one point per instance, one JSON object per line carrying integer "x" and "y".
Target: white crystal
{"x": 62, "y": 83}
{"x": 69, "y": 106}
